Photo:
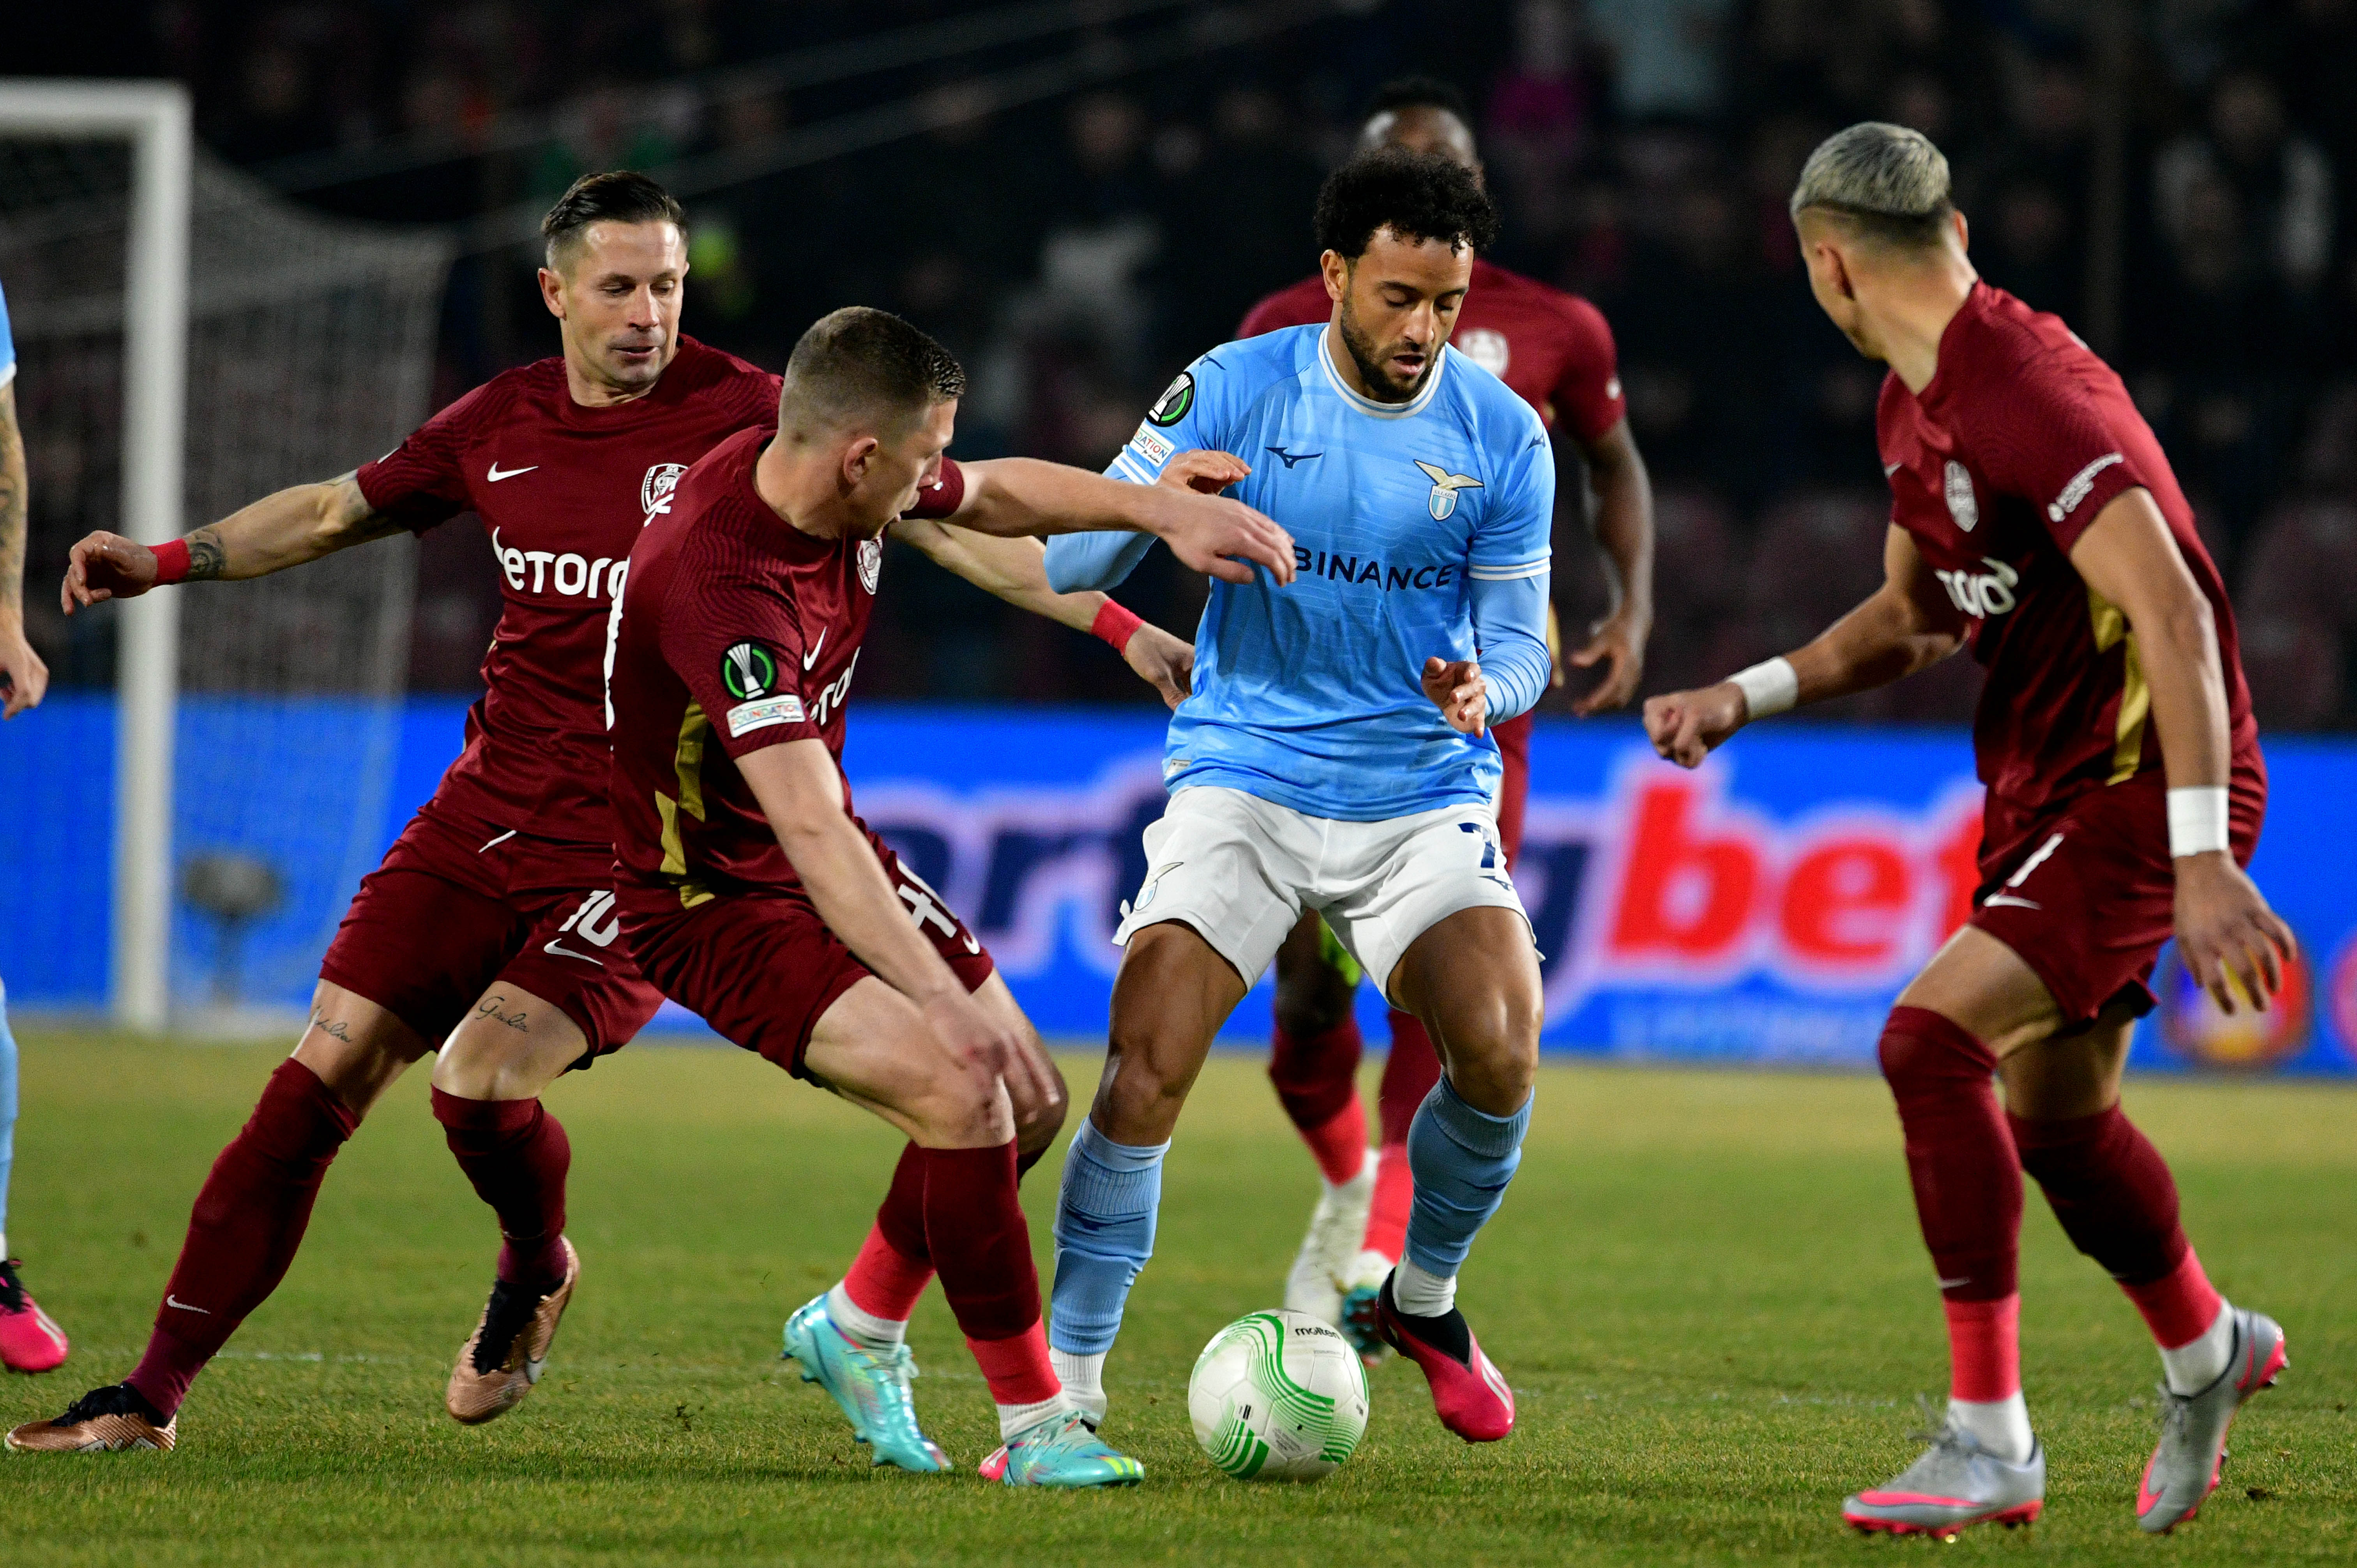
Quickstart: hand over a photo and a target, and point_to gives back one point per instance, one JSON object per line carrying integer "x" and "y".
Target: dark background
{"x": 2175, "y": 178}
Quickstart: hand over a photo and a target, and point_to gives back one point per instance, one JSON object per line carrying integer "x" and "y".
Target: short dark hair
{"x": 862, "y": 362}
{"x": 1417, "y": 196}
{"x": 617, "y": 195}
{"x": 1419, "y": 92}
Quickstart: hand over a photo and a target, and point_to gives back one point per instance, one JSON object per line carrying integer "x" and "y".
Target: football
{"x": 1279, "y": 1396}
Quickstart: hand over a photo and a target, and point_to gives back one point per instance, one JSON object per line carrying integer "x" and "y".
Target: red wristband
{"x": 1114, "y": 627}
{"x": 171, "y": 562}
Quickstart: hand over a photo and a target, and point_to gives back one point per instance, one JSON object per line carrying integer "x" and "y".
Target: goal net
{"x": 309, "y": 350}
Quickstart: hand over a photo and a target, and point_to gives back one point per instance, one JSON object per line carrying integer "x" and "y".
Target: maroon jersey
{"x": 1551, "y": 347}
{"x": 563, "y": 490}
{"x": 2022, "y": 437}
{"x": 738, "y": 629}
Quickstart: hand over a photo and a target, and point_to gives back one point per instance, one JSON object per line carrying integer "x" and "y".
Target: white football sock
{"x": 2000, "y": 1426}
{"x": 2197, "y": 1363}
{"x": 1422, "y": 1294}
{"x": 4, "y": 1243}
{"x": 1083, "y": 1380}
{"x": 1016, "y": 1419}
{"x": 877, "y": 1333}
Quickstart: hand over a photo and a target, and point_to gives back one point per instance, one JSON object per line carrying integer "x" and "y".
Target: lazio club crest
{"x": 654, "y": 490}
{"x": 1445, "y": 486}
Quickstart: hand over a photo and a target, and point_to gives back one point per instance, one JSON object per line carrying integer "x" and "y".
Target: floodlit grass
{"x": 1706, "y": 1288}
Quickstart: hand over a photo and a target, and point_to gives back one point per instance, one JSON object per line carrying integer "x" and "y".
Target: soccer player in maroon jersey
{"x": 488, "y": 930}
{"x": 2035, "y": 520}
{"x": 750, "y": 892}
{"x": 1556, "y": 350}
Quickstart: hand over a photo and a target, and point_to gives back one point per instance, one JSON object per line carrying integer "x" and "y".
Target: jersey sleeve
{"x": 1587, "y": 395}
{"x": 1191, "y": 414}
{"x": 419, "y": 484}
{"x": 737, "y": 646}
{"x": 2038, "y": 433}
{"x": 1508, "y": 575}
{"x": 944, "y": 496}
{"x": 8, "y": 345}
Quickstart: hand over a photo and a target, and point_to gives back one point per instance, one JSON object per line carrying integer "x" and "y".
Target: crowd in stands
{"x": 2177, "y": 180}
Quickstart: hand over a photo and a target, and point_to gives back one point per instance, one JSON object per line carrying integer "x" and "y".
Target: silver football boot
{"x": 1956, "y": 1483}
{"x": 2191, "y": 1455}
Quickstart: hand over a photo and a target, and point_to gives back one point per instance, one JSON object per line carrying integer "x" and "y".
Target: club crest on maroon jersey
{"x": 1486, "y": 347}
{"x": 654, "y": 490}
{"x": 871, "y": 563}
{"x": 1962, "y": 505}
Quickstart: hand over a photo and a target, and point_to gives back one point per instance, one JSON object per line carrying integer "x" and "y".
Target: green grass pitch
{"x": 1705, "y": 1286}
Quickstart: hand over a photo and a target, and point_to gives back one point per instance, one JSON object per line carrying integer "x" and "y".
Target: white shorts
{"x": 1240, "y": 870}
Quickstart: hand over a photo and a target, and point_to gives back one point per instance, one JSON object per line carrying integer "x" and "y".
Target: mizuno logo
{"x": 171, "y": 1300}
{"x": 811, "y": 657}
{"x": 1291, "y": 458}
{"x": 498, "y": 473}
{"x": 561, "y": 950}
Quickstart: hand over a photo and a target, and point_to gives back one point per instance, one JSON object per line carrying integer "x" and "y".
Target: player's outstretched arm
{"x": 1209, "y": 533}
{"x": 24, "y": 678}
{"x": 800, "y": 792}
{"x": 1904, "y": 625}
{"x": 2226, "y": 934}
{"x": 1016, "y": 570}
{"x": 297, "y": 524}
{"x": 1623, "y": 526}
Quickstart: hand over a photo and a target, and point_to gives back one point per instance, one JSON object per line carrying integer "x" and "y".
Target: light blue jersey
{"x": 1420, "y": 530}
{"x": 8, "y": 345}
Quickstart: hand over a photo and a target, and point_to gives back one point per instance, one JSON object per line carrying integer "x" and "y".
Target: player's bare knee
{"x": 1139, "y": 1098}
{"x": 1037, "y": 1125}
{"x": 1492, "y": 1051}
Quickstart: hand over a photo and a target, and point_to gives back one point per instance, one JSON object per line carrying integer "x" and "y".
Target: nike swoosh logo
{"x": 1959, "y": 1280}
{"x": 811, "y": 657}
{"x": 1890, "y": 468}
{"x": 498, "y": 474}
{"x": 561, "y": 950}
{"x": 972, "y": 946}
{"x": 171, "y": 1300}
{"x": 2012, "y": 900}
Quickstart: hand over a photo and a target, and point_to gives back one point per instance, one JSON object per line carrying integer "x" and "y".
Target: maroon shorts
{"x": 458, "y": 906}
{"x": 762, "y": 967}
{"x": 2086, "y": 894}
{"x": 1513, "y": 738}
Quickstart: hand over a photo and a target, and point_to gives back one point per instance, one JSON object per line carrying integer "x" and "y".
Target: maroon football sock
{"x": 248, "y": 1220}
{"x": 977, "y": 1238}
{"x": 1960, "y": 1156}
{"x": 2111, "y": 1190}
{"x": 516, "y": 1154}
{"x": 1409, "y": 1072}
{"x": 1316, "y": 1075}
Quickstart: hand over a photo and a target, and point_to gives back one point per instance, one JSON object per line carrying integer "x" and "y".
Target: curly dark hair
{"x": 859, "y": 363}
{"x": 1419, "y": 92}
{"x": 1417, "y": 196}
{"x": 620, "y": 196}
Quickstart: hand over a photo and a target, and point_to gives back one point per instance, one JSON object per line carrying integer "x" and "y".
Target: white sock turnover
{"x": 2000, "y": 1426}
{"x": 1422, "y": 1294}
{"x": 2197, "y": 1363}
{"x": 877, "y": 1333}
{"x": 1083, "y": 1380}
{"x": 1015, "y": 1419}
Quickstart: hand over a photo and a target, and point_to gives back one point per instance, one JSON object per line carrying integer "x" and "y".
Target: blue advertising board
{"x": 1765, "y": 908}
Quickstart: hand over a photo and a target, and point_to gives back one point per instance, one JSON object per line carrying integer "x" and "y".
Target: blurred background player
{"x": 1335, "y": 757}
{"x": 488, "y": 932}
{"x": 30, "y": 1340}
{"x": 2035, "y": 519}
{"x": 1556, "y": 351}
{"x": 753, "y": 896}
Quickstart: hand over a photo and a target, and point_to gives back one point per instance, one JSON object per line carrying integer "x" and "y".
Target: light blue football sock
{"x": 1462, "y": 1159}
{"x": 1104, "y": 1233}
{"x": 7, "y": 1112}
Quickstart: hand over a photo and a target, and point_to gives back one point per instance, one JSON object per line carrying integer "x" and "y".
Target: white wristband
{"x": 1769, "y": 687}
{"x": 2197, "y": 820}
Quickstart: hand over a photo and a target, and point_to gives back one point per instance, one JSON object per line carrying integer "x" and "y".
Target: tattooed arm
{"x": 23, "y": 677}
{"x": 298, "y": 524}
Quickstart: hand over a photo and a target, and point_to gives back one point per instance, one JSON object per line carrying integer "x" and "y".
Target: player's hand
{"x": 1458, "y": 689}
{"x": 1162, "y": 661}
{"x": 23, "y": 677}
{"x": 2227, "y": 938}
{"x": 1685, "y": 725}
{"x": 1213, "y": 533}
{"x": 103, "y": 566}
{"x": 989, "y": 1048}
{"x": 1204, "y": 471}
{"x": 1616, "y": 642}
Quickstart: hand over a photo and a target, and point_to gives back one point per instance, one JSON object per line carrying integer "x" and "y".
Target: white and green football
{"x": 1279, "y": 1396}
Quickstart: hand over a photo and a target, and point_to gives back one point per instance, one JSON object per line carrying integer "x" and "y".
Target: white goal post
{"x": 154, "y": 118}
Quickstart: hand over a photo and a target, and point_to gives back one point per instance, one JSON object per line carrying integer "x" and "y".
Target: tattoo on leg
{"x": 488, "y": 1007}
{"x": 206, "y": 558}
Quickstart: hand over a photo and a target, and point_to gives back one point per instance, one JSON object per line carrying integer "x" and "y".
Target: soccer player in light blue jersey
{"x": 1334, "y": 755}
{"x": 30, "y": 1341}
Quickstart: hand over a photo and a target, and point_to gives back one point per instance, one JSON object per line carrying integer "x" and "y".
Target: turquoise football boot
{"x": 1063, "y": 1451}
{"x": 871, "y": 1387}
